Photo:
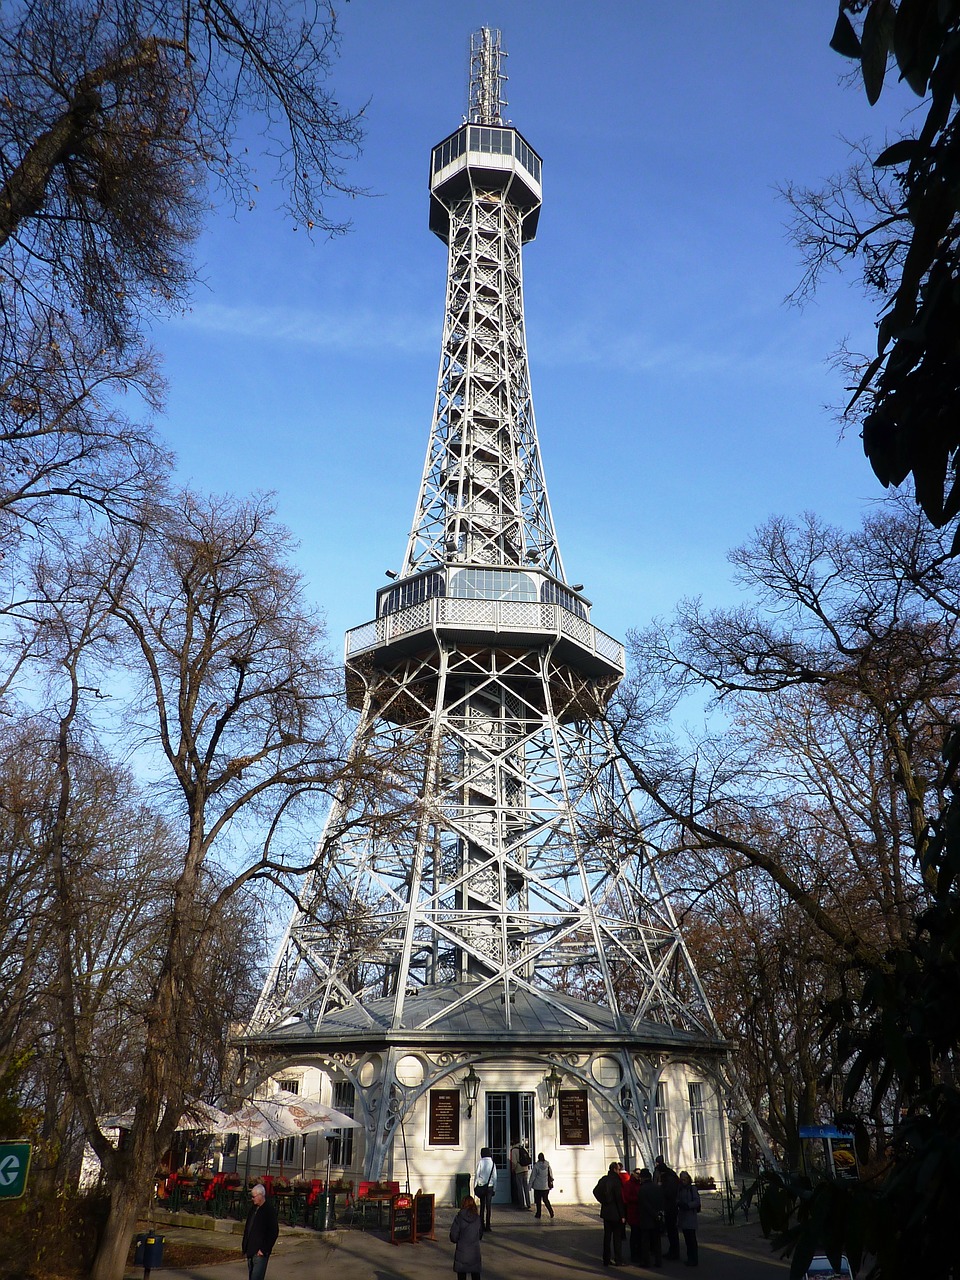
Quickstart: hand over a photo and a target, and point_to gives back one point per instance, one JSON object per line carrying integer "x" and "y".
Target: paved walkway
{"x": 518, "y": 1247}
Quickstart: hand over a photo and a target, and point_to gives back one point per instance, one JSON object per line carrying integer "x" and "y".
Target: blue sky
{"x": 679, "y": 400}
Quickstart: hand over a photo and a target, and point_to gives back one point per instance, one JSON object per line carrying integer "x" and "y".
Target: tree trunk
{"x": 111, "y": 1258}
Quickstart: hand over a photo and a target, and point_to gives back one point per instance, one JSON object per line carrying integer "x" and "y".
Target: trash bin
{"x": 148, "y": 1251}
{"x": 461, "y": 1188}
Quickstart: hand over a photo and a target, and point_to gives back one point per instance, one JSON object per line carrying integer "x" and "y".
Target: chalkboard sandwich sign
{"x": 403, "y": 1222}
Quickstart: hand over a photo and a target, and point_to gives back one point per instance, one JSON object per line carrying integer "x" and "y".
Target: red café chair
{"x": 363, "y": 1208}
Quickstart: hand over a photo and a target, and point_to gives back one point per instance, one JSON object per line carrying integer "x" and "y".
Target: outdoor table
{"x": 234, "y": 1203}
{"x": 295, "y": 1205}
{"x": 180, "y": 1193}
{"x": 335, "y": 1194}
{"x": 374, "y": 1200}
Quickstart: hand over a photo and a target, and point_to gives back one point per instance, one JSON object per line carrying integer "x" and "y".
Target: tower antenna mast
{"x": 486, "y": 80}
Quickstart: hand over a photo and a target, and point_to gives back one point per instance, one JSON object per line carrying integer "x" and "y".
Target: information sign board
{"x": 14, "y": 1167}
{"x": 444, "y": 1117}
{"x": 574, "y": 1118}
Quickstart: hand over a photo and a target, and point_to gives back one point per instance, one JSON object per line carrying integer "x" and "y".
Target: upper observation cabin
{"x": 485, "y": 159}
{"x": 480, "y": 605}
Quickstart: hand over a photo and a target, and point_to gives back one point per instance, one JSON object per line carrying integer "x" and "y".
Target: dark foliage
{"x": 911, "y": 388}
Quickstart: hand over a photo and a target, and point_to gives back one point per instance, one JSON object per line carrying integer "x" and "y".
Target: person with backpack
{"x": 520, "y": 1158}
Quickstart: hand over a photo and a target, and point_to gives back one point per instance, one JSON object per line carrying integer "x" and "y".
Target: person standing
{"x": 521, "y": 1168}
{"x": 668, "y": 1182}
{"x": 485, "y": 1185}
{"x": 630, "y": 1188}
{"x": 259, "y": 1233}
{"x": 644, "y": 1211}
{"x": 609, "y": 1192}
{"x": 688, "y": 1206}
{"x": 466, "y": 1233}
{"x": 541, "y": 1176}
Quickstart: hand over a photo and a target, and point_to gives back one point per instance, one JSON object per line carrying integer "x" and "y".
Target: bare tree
{"x": 95, "y": 876}
{"x": 116, "y": 118}
{"x": 116, "y": 112}
{"x": 186, "y": 642}
{"x": 833, "y": 691}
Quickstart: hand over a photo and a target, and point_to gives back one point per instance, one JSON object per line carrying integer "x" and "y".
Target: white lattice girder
{"x": 522, "y": 868}
{"x": 482, "y": 497}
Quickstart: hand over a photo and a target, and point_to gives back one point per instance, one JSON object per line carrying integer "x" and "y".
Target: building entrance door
{"x": 509, "y": 1120}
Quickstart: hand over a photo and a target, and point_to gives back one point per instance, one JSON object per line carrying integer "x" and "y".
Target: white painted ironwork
{"x": 503, "y": 854}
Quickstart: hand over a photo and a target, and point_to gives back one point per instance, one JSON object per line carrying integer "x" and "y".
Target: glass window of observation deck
{"x": 554, "y": 593}
{"x": 491, "y": 584}
{"x": 528, "y": 158}
{"x": 413, "y": 592}
{"x": 449, "y": 150}
{"x": 496, "y": 141}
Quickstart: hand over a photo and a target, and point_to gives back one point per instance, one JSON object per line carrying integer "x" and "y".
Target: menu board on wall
{"x": 444, "y": 1118}
{"x": 574, "y": 1121}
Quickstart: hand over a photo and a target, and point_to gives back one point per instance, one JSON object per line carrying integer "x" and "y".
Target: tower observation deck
{"x": 496, "y": 889}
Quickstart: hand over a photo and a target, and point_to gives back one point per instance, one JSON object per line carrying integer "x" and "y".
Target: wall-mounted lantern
{"x": 552, "y": 1082}
{"x": 471, "y": 1089}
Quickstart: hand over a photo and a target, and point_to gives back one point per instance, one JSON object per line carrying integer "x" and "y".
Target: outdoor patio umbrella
{"x": 283, "y": 1115}
{"x": 202, "y": 1116}
{"x": 324, "y": 1118}
{"x": 323, "y": 1124}
{"x": 261, "y": 1119}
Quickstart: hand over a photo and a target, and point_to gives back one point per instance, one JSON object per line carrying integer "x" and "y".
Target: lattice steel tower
{"x": 514, "y": 883}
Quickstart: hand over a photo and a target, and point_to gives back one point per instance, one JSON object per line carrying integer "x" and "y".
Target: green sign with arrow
{"x": 14, "y": 1166}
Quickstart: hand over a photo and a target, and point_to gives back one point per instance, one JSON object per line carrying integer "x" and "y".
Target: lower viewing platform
{"x": 503, "y": 622}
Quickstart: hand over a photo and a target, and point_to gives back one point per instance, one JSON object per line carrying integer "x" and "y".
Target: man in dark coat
{"x": 668, "y": 1181}
{"x": 259, "y": 1233}
{"x": 644, "y": 1208}
{"x": 609, "y": 1193}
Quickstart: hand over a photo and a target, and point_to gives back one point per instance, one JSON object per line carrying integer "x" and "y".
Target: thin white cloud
{"x": 583, "y": 344}
{"x": 359, "y": 331}
{"x": 641, "y": 352}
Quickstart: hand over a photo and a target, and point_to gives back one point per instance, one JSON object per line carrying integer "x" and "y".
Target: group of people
{"x": 650, "y": 1204}
{"x": 530, "y": 1175}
